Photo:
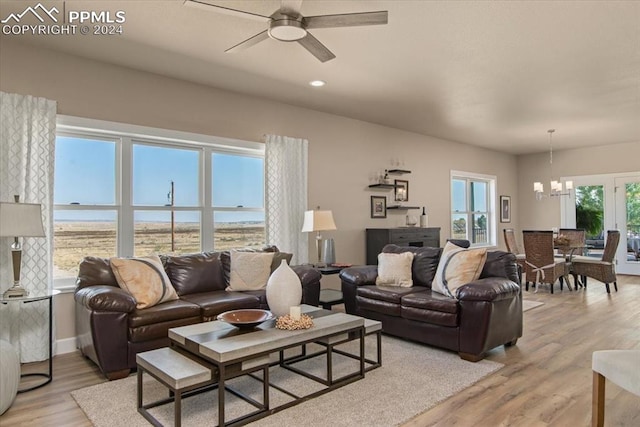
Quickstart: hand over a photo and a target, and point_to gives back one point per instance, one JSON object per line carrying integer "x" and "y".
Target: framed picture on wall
{"x": 402, "y": 190}
{"x": 505, "y": 208}
{"x": 378, "y": 206}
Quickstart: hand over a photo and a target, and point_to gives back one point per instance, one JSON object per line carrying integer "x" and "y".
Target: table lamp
{"x": 318, "y": 221}
{"x": 19, "y": 220}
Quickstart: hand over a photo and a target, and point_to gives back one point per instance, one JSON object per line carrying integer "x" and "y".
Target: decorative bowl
{"x": 246, "y": 318}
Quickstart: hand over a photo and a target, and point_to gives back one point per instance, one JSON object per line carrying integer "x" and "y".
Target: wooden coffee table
{"x": 235, "y": 352}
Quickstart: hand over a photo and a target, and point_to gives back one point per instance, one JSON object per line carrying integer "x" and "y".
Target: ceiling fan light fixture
{"x": 287, "y": 30}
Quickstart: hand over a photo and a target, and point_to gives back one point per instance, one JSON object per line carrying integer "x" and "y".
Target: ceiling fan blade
{"x": 200, "y": 4}
{"x": 251, "y": 41}
{"x": 290, "y": 7}
{"x": 347, "y": 19}
{"x": 316, "y": 48}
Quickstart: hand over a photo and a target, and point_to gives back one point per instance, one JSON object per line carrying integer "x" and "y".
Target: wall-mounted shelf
{"x": 403, "y": 207}
{"x": 397, "y": 171}
{"x": 388, "y": 186}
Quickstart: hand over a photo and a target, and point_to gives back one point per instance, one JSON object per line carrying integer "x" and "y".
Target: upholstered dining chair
{"x": 603, "y": 270}
{"x": 541, "y": 266}
{"x": 619, "y": 367}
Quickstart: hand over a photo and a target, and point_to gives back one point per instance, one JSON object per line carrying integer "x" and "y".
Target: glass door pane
{"x": 628, "y": 222}
{"x": 590, "y": 216}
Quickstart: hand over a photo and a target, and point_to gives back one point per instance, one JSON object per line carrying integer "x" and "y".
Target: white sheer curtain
{"x": 286, "y": 195}
{"x": 27, "y": 141}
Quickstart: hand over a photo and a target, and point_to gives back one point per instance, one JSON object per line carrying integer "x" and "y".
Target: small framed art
{"x": 505, "y": 208}
{"x": 402, "y": 190}
{"x": 378, "y": 207}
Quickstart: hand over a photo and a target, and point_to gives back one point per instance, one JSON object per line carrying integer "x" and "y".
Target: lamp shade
{"x": 318, "y": 221}
{"x": 21, "y": 220}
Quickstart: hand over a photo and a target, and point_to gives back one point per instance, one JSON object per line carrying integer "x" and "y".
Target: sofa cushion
{"x": 145, "y": 279}
{"x": 216, "y": 302}
{"x": 430, "y": 316}
{"x": 395, "y": 269}
{"x": 249, "y": 270}
{"x": 378, "y": 306}
{"x": 172, "y": 310}
{"x": 457, "y": 266}
{"x": 500, "y": 264}
{"x": 425, "y": 262}
{"x": 95, "y": 271}
{"x": 225, "y": 258}
{"x": 195, "y": 273}
{"x": 384, "y": 293}
{"x": 430, "y": 300}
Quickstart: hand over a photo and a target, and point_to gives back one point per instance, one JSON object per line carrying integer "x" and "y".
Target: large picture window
{"x": 122, "y": 190}
{"x": 472, "y": 208}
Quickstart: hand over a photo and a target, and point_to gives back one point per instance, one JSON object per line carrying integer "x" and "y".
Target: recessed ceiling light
{"x": 317, "y": 83}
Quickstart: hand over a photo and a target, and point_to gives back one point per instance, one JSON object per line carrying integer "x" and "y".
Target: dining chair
{"x": 577, "y": 238}
{"x": 512, "y": 246}
{"x": 540, "y": 265}
{"x": 603, "y": 270}
{"x": 619, "y": 367}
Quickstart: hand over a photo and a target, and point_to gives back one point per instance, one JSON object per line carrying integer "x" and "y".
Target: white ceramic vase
{"x": 283, "y": 290}
{"x": 9, "y": 375}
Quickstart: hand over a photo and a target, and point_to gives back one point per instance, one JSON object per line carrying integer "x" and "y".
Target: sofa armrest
{"x": 363, "y": 275}
{"x": 310, "y": 280}
{"x": 353, "y": 277}
{"x": 105, "y": 298}
{"x": 488, "y": 289}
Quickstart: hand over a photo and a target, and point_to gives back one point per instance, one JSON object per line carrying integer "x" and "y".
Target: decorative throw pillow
{"x": 145, "y": 279}
{"x": 225, "y": 259}
{"x": 395, "y": 269}
{"x": 457, "y": 267}
{"x": 249, "y": 270}
{"x": 277, "y": 259}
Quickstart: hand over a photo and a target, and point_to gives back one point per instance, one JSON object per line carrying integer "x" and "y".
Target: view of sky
{"x": 459, "y": 196}
{"x": 85, "y": 174}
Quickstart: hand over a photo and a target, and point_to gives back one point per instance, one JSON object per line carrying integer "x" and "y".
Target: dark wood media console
{"x": 377, "y": 238}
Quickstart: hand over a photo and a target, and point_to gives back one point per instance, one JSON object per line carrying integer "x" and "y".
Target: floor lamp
{"x": 318, "y": 221}
{"x": 19, "y": 220}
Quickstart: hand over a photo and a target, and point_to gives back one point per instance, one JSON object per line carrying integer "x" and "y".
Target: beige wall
{"x": 343, "y": 153}
{"x": 545, "y": 214}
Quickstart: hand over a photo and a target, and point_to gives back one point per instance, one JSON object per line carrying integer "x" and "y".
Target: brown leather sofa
{"x": 111, "y": 330}
{"x": 487, "y": 312}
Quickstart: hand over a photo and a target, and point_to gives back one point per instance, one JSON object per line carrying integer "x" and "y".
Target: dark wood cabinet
{"x": 377, "y": 238}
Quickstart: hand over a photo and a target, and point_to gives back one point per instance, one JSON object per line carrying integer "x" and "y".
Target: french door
{"x": 608, "y": 202}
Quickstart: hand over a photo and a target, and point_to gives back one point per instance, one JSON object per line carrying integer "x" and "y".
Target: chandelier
{"x": 556, "y": 186}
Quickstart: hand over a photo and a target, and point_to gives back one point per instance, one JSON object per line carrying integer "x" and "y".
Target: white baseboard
{"x": 67, "y": 345}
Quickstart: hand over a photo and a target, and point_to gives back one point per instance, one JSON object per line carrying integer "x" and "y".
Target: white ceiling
{"x": 497, "y": 74}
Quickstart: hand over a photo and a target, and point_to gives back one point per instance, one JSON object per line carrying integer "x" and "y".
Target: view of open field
{"x": 75, "y": 240}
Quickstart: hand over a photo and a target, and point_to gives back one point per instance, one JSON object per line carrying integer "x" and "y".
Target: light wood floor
{"x": 546, "y": 380}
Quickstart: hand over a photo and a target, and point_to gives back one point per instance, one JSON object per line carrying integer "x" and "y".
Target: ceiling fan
{"x": 288, "y": 25}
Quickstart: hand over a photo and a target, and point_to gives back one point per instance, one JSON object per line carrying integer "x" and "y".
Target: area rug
{"x": 412, "y": 379}
{"x": 529, "y": 305}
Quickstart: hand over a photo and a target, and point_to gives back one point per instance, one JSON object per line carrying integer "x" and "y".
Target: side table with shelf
{"x": 330, "y": 297}
{"x": 28, "y": 299}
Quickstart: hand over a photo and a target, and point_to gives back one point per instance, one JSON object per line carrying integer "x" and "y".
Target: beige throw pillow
{"x": 395, "y": 269}
{"x": 457, "y": 267}
{"x": 145, "y": 279}
{"x": 249, "y": 270}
